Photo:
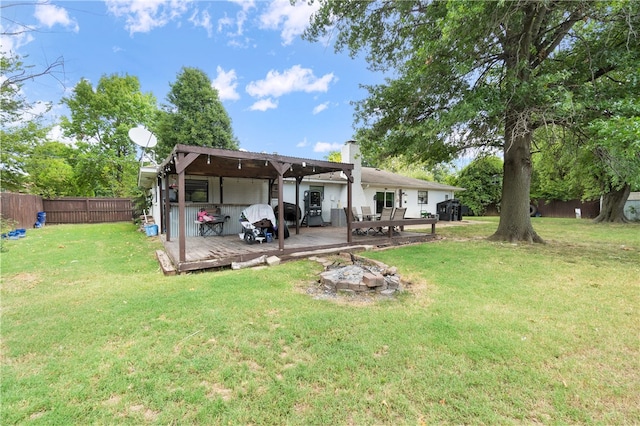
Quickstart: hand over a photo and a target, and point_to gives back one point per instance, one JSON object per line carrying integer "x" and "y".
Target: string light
{"x": 208, "y": 159}
{"x": 239, "y": 164}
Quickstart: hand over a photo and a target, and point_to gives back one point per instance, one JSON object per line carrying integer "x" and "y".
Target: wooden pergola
{"x": 202, "y": 161}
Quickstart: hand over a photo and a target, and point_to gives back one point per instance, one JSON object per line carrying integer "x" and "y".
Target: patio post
{"x": 349, "y": 204}
{"x": 167, "y": 208}
{"x": 182, "y": 225}
{"x": 281, "y": 223}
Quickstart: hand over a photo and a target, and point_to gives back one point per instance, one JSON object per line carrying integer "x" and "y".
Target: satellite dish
{"x": 143, "y": 137}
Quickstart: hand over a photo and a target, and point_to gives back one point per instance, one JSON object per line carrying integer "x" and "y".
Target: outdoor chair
{"x": 366, "y": 213}
{"x": 385, "y": 214}
{"x": 213, "y": 226}
{"x": 356, "y": 215}
{"x": 353, "y": 217}
{"x": 398, "y": 214}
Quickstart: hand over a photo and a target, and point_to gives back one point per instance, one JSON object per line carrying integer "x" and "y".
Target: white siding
{"x": 245, "y": 191}
{"x": 335, "y": 196}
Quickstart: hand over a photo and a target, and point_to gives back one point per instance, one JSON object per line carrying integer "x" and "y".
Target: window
{"x": 423, "y": 197}
{"x": 389, "y": 199}
{"x": 196, "y": 191}
{"x": 319, "y": 189}
{"x": 384, "y": 199}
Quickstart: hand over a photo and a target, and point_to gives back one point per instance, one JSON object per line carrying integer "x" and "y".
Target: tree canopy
{"x": 99, "y": 123}
{"x": 482, "y": 180}
{"x": 469, "y": 74}
{"x": 194, "y": 115}
{"x": 20, "y": 124}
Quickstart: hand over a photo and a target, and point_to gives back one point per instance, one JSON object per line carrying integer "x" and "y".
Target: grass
{"x": 486, "y": 333}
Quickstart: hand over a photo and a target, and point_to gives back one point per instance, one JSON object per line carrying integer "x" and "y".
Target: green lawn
{"x": 486, "y": 333}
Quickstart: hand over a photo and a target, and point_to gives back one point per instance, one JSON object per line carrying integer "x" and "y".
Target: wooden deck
{"x": 222, "y": 251}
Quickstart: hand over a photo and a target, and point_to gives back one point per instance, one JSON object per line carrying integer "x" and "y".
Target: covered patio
{"x": 189, "y": 253}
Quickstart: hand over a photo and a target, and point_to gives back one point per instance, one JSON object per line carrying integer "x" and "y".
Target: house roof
{"x": 206, "y": 161}
{"x": 381, "y": 178}
{"x": 377, "y": 177}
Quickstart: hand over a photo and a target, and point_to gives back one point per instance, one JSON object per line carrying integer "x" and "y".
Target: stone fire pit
{"x": 353, "y": 274}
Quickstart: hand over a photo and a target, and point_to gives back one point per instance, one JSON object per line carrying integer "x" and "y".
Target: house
{"x": 192, "y": 178}
{"x": 242, "y": 186}
{"x": 375, "y": 188}
{"x": 371, "y": 187}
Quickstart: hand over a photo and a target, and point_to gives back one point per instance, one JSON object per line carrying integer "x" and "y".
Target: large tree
{"x": 100, "y": 121}
{"x": 615, "y": 146}
{"x": 467, "y": 74}
{"x": 599, "y": 107}
{"x": 194, "y": 115}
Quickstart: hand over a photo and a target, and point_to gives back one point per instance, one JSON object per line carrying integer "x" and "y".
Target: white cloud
{"x": 50, "y": 15}
{"x": 57, "y": 135}
{"x": 244, "y": 4}
{"x": 202, "y": 19}
{"x": 241, "y": 17}
{"x": 34, "y": 111}
{"x": 143, "y": 16}
{"x": 226, "y": 84}
{"x": 318, "y": 109}
{"x": 263, "y": 105}
{"x": 302, "y": 143}
{"x": 11, "y": 43}
{"x": 326, "y": 147}
{"x": 291, "y": 19}
{"x": 224, "y": 22}
{"x": 295, "y": 79}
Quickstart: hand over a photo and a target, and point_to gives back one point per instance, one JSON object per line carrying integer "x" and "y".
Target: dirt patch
{"x": 217, "y": 390}
{"x": 22, "y": 281}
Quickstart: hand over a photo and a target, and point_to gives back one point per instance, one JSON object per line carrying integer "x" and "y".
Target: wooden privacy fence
{"x": 88, "y": 210}
{"x": 555, "y": 208}
{"x": 20, "y": 208}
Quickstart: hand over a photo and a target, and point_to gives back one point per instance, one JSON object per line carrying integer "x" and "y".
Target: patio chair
{"x": 356, "y": 215}
{"x": 385, "y": 214}
{"x": 210, "y": 224}
{"x": 366, "y": 213}
{"x": 398, "y": 214}
{"x": 353, "y": 217}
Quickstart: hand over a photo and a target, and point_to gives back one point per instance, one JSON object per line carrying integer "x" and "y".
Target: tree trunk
{"x": 515, "y": 219}
{"x": 612, "y": 209}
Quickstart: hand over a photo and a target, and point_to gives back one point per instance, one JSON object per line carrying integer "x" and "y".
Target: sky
{"x": 283, "y": 94}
